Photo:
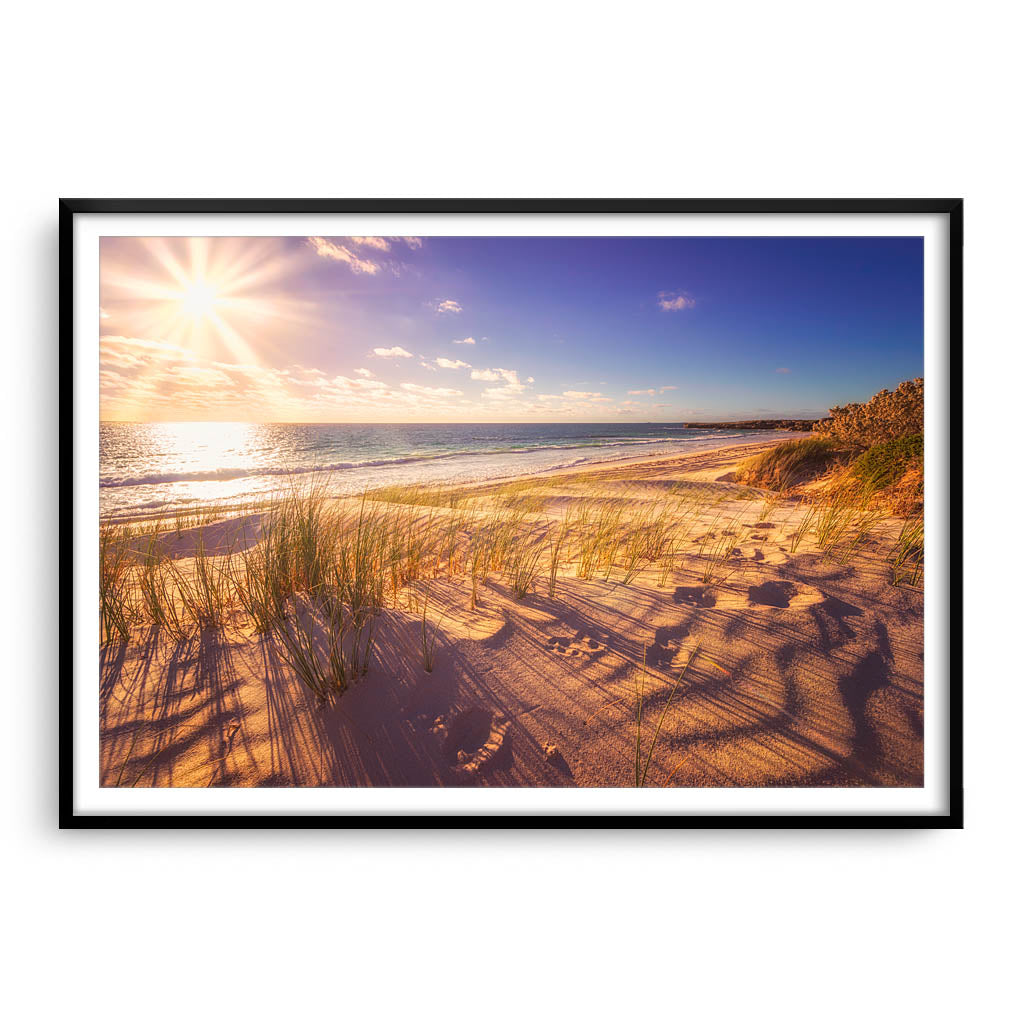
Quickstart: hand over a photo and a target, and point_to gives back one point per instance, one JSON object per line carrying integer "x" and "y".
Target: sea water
{"x": 147, "y": 467}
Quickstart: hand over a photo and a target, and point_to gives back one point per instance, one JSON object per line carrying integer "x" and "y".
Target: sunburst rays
{"x": 218, "y": 298}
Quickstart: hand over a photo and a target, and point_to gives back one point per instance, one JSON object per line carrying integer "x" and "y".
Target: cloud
{"x": 668, "y": 387}
{"x": 362, "y": 371}
{"x": 644, "y": 391}
{"x": 428, "y": 366}
{"x": 509, "y": 376}
{"x": 333, "y": 251}
{"x": 373, "y": 243}
{"x": 509, "y": 389}
{"x": 448, "y": 306}
{"x": 422, "y": 389}
{"x": 464, "y": 341}
{"x": 116, "y": 350}
{"x": 451, "y": 364}
{"x": 672, "y": 302}
{"x": 392, "y": 353}
{"x": 413, "y": 243}
{"x": 783, "y": 369}
{"x": 587, "y": 396}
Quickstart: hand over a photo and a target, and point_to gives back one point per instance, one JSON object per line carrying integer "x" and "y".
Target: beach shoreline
{"x": 645, "y": 462}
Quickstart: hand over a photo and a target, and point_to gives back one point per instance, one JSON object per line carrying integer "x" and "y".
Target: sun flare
{"x": 199, "y": 299}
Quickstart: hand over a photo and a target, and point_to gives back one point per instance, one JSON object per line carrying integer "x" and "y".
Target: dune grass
{"x": 717, "y": 546}
{"x": 641, "y": 765}
{"x": 428, "y": 635}
{"x": 318, "y": 570}
{"x": 523, "y": 566}
{"x": 906, "y": 558}
{"x": 796, "y": 538}
{"x": 785, "y": 465}
{"x": 118, "y": 608}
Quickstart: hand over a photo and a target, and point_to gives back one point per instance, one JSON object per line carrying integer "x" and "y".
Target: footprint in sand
{"x": 471, "y": 739}
{"x": 783, "y": 594}
{"x": 578, "y": 646}
{"x": 699, "y": 597}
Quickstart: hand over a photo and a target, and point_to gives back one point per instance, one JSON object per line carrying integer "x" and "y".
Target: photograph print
{"x": 401, "y": 515}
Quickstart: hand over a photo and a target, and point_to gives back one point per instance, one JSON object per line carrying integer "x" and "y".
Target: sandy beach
{"x": 760, "y": 665}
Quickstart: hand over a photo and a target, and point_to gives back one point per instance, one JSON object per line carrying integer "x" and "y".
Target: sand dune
{"x": 808, "y": 671}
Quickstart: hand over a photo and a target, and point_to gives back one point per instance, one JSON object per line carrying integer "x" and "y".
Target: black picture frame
{"x": 951, "y": 208}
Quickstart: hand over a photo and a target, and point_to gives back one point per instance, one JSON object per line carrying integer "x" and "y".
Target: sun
{"x": 198, "y": 300}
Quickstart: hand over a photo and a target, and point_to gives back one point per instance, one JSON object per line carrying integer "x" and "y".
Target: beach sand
{"x": 808, "y": 670}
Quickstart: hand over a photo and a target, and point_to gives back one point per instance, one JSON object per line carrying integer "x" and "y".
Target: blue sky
{"x": 504, "y": 328}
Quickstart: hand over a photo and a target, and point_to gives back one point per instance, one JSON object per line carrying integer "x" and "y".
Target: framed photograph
{"x": 538, "y": 512}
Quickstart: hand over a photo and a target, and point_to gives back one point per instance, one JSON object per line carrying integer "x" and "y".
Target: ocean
{"x": 149, "y": 467}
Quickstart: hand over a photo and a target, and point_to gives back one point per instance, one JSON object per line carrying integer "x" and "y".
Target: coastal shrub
{"x": 885, "y": 463}
{"x": 887, "y": 416}
{"x": 787, "y": 464}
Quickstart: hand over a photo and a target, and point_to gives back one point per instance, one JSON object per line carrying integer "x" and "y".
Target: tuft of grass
{"x": 205, "y": 592}
{"x": 118, "y": 610}
{"x": 787, "y": 464}
{"x": 161, "y": 602}
{"x": 524, "y": 564}
{"x": 428, "y": 635}
{"x": 554, "y": 551}
{"x": 834, "y": 516}
{"x": 796, "y": 538}
{"x": 313, "y": 642}
{"x": 260, "y": 581}
{"x": 907, "y": 556}
{"x": 642, "y": 766}
{"x": 716, "y": 548}
{"x": 861, "y": 528}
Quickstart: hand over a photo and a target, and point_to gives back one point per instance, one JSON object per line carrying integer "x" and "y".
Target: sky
{"x": 504, "y": 329}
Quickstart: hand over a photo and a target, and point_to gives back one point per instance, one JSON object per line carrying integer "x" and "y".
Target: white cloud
{"x": 392, "y": 353}
{"x": 509, "y": 389}
{"x": 509, "y": 376}
{"x": 672, "y": 302}
{"x": 373, "y": 243}
{"x": 668, "y": 387}
{"x": 451, "y": 364}
{"x": 342, "y": 254}
{"x": 422, "y": 389}
{"x": 464, "y": 341}
{"x": 428, "y": 366}
{"x": 448, "y": 306}
{"x": 413, "y": 243}
{"x": 644, "y": 391}
{"x": 362, "y": 371}
{"x": 588, "y": 396}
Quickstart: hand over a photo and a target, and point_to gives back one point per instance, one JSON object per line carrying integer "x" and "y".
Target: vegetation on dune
{"x": 892, "y": 462}
{"x": 885, "y": 417}
{"x": 788, "y": 464}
